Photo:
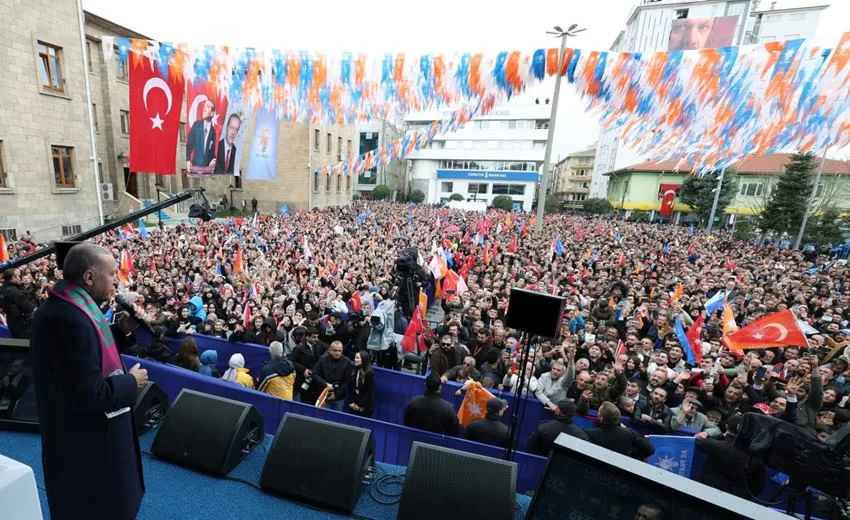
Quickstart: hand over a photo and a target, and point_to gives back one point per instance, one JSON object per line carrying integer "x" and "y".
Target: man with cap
{"x": 490, "y": 430}
{"x": 430, "y": 412}
{"x": 543, "y": 437}
{"x": 688, "y": 417}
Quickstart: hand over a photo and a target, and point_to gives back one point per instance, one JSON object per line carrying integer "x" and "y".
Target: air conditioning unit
{"x": 107, "y": 192}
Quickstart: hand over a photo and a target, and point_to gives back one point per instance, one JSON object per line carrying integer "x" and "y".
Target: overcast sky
{"x": 379, "y": 26}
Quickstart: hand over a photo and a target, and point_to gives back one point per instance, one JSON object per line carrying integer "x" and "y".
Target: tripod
{"x": 525, "y": 345}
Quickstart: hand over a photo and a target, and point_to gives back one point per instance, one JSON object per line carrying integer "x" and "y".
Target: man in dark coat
{"x": 543, "y": 437}
{"x": 490, "y": 430}
{"x": 612, "y": 435}
{"x": 304, "y": 357}
{"x": 431, "y": 412}
{"x": 17, "y": 303}
{"x": 90, "y": 453}
{"x": 729, "y": 469}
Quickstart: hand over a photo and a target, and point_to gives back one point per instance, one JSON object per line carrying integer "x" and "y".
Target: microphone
{"x": 124, "y": 303}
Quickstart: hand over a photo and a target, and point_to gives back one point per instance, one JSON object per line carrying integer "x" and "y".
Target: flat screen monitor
{"x": 583, "y": 481}
{"x": 18, "y": 410}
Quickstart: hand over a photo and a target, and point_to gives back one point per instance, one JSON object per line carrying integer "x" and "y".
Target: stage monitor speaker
{"x": 318, "y": 462}
{"x": 467, "y": 485}
{"x": 151, "y": 406}
{"x": 208, "y": 433}
{"x": 535, "y": 313}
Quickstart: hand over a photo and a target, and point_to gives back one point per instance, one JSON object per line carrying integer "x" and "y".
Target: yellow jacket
{"x": 278, "y": 385}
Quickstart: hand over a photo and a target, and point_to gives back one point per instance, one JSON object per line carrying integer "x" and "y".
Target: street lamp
{"x": 572, "y": 30}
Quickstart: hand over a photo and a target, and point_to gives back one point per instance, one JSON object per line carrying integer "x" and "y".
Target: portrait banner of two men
{"x": 216, "y": 132}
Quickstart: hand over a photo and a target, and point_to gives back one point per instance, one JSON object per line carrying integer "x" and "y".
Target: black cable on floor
{"x": 378, "y": 487}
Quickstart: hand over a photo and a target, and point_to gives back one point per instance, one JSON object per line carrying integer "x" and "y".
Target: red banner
{"x": 155, "y": 105}
{"x": 667, "y": 194}
{"x": 205, "y": 111}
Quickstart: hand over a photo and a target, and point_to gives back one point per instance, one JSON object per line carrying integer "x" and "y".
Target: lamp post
{"x": 572, "y": 30}
{"x": 812, "y": 197}
{"x": 716, "y": 201}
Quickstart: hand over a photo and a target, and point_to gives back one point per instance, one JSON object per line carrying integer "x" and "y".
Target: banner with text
{"x": 673, "y": 453}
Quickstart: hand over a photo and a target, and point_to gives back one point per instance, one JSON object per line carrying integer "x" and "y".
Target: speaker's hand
{"x": 140, "y": 374}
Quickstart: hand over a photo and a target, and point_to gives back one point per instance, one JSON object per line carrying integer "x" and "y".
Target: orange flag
{"x": 423, "y": 303}
{"x": 774, "y": 330}
{"x": 474, "y": 405}
{"x": 4, "y": 252}
{"x": 237, "y": 262}
{"x": 677, "y": 293}
{"x": 728, "y": 320}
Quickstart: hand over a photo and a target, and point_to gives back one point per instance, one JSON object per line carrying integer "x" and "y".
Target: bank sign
{"x": 488, "y": 175}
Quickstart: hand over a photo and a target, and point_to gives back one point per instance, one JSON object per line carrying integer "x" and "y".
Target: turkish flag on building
{"x": 667, "y": 194}
{"x": 775, "y": 330}
{"x": 155, "y": 105}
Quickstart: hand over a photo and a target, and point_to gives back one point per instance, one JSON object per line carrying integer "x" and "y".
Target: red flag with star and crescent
{"x": 774, "y": 330}
{"x": 667, "y": 194}
{"x": 155, "y": 106}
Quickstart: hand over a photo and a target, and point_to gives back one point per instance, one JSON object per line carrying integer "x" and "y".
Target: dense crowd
{"x": 317, "y": 286}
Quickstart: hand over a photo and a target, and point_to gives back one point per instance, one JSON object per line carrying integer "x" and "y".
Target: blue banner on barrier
{"x": 672, "y": 453}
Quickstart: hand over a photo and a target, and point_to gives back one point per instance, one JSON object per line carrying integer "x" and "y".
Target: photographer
{"x": 18, "y": 304}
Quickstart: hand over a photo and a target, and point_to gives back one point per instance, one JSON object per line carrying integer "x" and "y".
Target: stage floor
{"x": 178, "y": 493}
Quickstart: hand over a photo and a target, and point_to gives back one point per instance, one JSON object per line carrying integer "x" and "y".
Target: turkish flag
{"x": 667, "y": 193}
{"x": 411, "y": 337}
{"x": 694, "y": 336}
{"x": 155, "y": 105}
{"x": 775, "y": 330}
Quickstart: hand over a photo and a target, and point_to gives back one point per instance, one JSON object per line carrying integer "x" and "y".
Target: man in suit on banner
{"x": 89, "y": 449}
{"x": 226, "y": 153}
{"x": 200, "y": 144}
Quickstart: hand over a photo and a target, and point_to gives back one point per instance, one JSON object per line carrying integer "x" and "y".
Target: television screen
{"x": 18, "y": 408}
{"x": 585, "y": 482}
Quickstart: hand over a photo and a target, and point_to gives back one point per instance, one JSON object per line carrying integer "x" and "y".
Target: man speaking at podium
{"x": 90, "y": 453}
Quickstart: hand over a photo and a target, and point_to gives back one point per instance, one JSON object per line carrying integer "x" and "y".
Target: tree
{"x": 824, "y": 228}
{"x": 639, "y": 215}
{"x": 597, "y": 206}
{"x": 698, "y": 192}
{"x": 456, "y": 196}
{"x": 745, "y": 229}
{"x": 503, "y": 202}
{"x": 416, "y": 196}
{"x": 787, "y": 204}
{"x": 552, "y": 205}
{"x": 381, "y": 192}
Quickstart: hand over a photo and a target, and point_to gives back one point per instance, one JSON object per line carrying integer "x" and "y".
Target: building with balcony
{"x": 496, "y": 154}
{"x": 572, "y": 177}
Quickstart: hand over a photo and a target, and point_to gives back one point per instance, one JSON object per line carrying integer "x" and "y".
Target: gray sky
{"x": 379, "y": 26}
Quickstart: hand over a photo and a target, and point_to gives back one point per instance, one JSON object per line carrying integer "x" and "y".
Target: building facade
{"x": 639, "y": 187}
{"x": 572, "y": 177}
{"x": 369, "y": 136}
{"x": 497, "y": 154}
{"x": 48, "y": 182}
{"x": 648, "y": 30}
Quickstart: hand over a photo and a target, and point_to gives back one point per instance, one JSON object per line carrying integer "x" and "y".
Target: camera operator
{"x": 304, "y": 357}
{"x": 18, "y": 304}
{"x": 336, "y": 330}
{"x": 409, "y": 276}
{"x": 360, "y": 329}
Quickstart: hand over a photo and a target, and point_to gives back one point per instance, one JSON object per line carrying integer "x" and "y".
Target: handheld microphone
{"x": 121, "y": 300}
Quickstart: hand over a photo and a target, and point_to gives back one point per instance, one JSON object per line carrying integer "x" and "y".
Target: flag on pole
{"x": 683, "y": 339}
{"x": 143, "y": 230}
{"x": 728, "y": 320}
{"x": 716, "y": 302}
{"x": 474, "y": 405}
{"x": 779, "y": 329}
{"x": 4, "y": 251}
{"x": 415, "y": 328}
{"x": 694, "y": 336}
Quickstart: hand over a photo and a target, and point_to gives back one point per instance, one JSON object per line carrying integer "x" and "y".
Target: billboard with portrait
{"x": 702, "y": 33}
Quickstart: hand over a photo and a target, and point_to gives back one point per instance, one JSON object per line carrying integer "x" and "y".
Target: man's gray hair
{"x": 276, "y": 350}
{"x": 81, "y": 258}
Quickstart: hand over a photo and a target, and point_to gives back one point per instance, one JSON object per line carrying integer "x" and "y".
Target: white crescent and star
{"x": 151, "y": 84}
{"x": 193, "y": 110}
{"x": 783, "y": 332}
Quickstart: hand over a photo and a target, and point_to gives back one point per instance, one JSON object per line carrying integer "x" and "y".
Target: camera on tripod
{"x": 408, "y": 273}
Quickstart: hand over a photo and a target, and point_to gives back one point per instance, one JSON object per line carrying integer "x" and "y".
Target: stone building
{"x": 572, "y": 176}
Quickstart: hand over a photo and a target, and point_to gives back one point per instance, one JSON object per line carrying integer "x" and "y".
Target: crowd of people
{"x": 318, "y": 288}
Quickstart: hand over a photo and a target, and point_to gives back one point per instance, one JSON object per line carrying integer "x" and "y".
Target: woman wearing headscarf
{"x": 237, "y": 373}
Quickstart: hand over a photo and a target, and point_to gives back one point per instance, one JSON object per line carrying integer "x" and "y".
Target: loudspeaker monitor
{"x": 464, "y": 484}
{"x": 151, "y": 406}
{"x": 535, "y": 313}
{"x": 207, "y": 432}
{"x": 319, "y": 462}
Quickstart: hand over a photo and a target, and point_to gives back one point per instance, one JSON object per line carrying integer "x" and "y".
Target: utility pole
{"x": 544, "y": 175}
{"x": 812, "y": 196}
{"x": 716, "y": 201}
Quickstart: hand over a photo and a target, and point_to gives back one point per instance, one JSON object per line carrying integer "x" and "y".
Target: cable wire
{"x": 383, "y": 481}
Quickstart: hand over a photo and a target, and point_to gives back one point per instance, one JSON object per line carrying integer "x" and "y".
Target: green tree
{"x": 503, "y": 202}
{"x": 787, "y": 203}
{"x": 824, "y": 228}
{"x": 381, "y": 192}
{"x": 456, "y": 196}
{"x": 698, "y": 192}
{"x": 597, "y": 206}
{"x": 639, "y": 215}
{"x": 416, "y": 196}
{"x": 745, "y": 229}
{"x": 552, "y": 204}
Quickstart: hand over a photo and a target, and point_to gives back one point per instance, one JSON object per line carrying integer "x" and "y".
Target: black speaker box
{"x": 151, "y": 406}
{"x": 458, "y": 484}
{"x": 208, "y": 433}
{"x": 535, "y": 313}
{"x": 318, "y": 462}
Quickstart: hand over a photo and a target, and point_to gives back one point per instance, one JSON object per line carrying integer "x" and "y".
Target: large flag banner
{"x": 701, "y": 33}
{"x": 779, "y": 329}
{"x": 667, "y": 194}
{"x": 205, "y": 112}
{"x": 262, "y": 160}
{"x": 673, "y": 453}
{"x": 232, "y": 141}
{"x": 155, "y": 102}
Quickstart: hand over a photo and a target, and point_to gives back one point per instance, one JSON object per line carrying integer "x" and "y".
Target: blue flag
{"x": 686, "y": 345}
{"x": 673, "y": 453}
{"x": 262, "y": 159}
{"x": 559, "y": 247}
{"x": 143, "y": 231}
{"x": 715, "y": 303}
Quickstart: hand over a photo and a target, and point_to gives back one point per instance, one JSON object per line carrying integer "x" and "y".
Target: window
{"x": 71, "y": 230}
{"x": 796, "y": 17}
{"x": 339, "y": 145}
{"x": 508, "y": 189}
{"x": 3, "y": 181}
{"x": 94, "y": 117}
{"x": 51, "y": 67}
{"x": 681, "y": 13}
{"x": 478, "y": 188}
{"x": 316, "y": 136}
{"x": 316, "y": 180}
{"x": 125, "y": 122}
{"x": 339, "y": 183}
{"x": 181, "y": 132}
{"x": 447, "y": 187}
{"x": 88, "y": 55}
{"x": 99, "y": 170}
{"x": 63, "y": 166}
{"x": 752, "y": 189}
{"x": 819, "y": 191}
{"x": 348, "y": 149}
{"x": 328, "y": 180}
{"x": 348, "y": 183}
{"x": 328, "y": 144}
{"x": 121, "y": 70}
{"x": 160, "y": 181}
{"x": 11, "y": 234}
{"x": 773, "y": 18}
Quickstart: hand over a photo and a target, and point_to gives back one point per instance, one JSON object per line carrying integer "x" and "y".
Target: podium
{"x": 18, "y": 494}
